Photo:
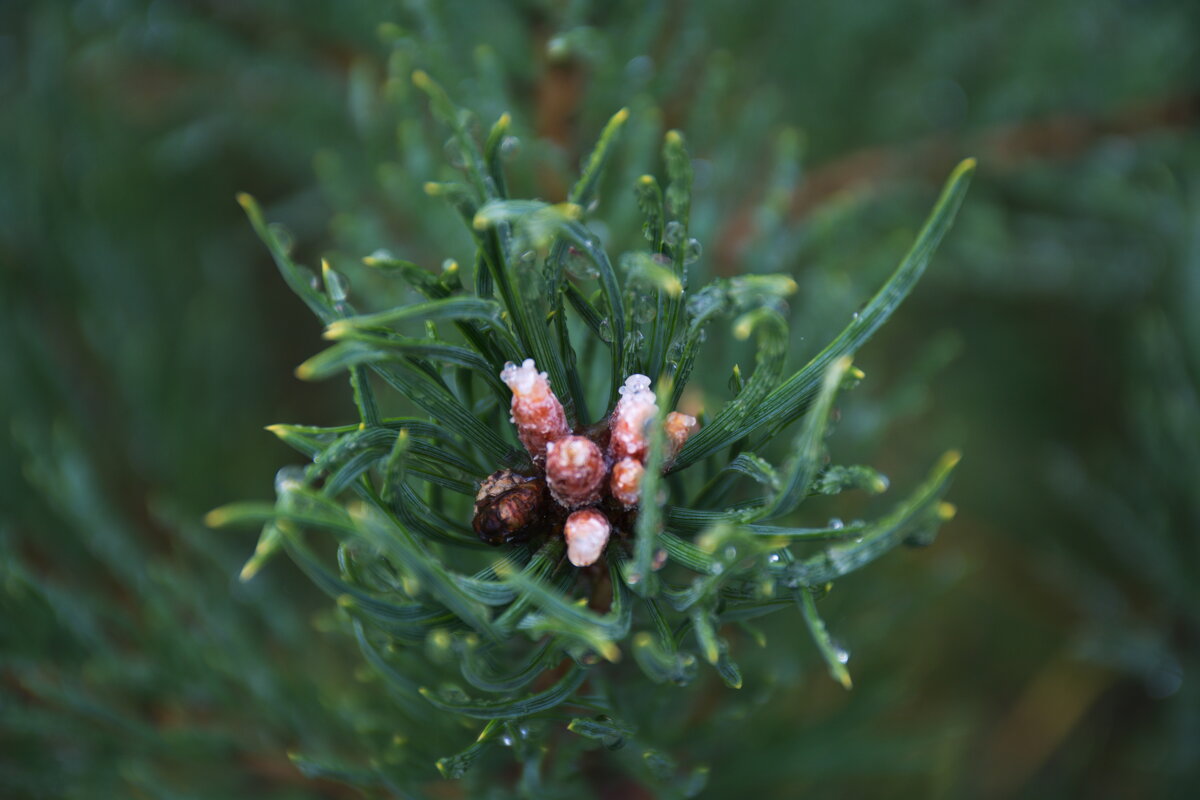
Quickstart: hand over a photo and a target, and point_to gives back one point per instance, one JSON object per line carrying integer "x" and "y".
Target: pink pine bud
{"x": 678, "y": 428}
{"x": 536, "y": 412}
{"x": 574, "y": 471}
{"x": 586, "y": 533}
{"x": 626, "y": 483}
{"x": 629, "y": 419}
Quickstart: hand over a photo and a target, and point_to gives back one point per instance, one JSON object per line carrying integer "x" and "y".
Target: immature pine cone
{"x": 576, "y": 470}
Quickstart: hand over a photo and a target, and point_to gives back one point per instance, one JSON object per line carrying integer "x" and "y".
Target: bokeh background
{"x": 1047, "y": 644}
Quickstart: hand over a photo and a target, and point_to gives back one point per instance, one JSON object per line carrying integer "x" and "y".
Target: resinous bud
{"x": 678, "y": 428}
{"x": 634, "y": 410}
{"x": 574, "y": 471}
{"x": 536, "y": 411}
{"x": 626, "y": 481}
{"x": 586, "y": 532}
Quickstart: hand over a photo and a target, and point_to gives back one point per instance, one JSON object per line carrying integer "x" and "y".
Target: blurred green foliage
{"x": 1047, "y": 644}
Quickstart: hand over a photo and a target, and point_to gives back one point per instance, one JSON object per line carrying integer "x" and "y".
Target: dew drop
{"x": 577, "y": 263}
{"x": 289, "y": 479}
{"x": 836, "y": 524}
{"x": 506, "y": 740}
{"x": 703, "y": 303}
{"x": 606, "y": 333}
{"x": 673, "y": 233}
{"x": 644, "y": 312}
{"x": 310, "y": 278}
{"x": 510, "y": 146}
{"x": 692, "y": 251}
{"x": 283, "y": 236}
{"x": 454, "y": 694}
{"x": 339, "y": 286}
{"x": 774, "y": 558}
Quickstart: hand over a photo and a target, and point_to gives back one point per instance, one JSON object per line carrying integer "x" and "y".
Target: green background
{"x": 1048, "y": 643}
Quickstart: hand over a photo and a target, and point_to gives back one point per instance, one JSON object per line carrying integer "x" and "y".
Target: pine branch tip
{"x": 572, "y": 211}
{"x": 250, "y": 569}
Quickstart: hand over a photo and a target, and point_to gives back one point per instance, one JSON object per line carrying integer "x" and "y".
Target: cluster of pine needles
{"x": 533, "y": 643}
